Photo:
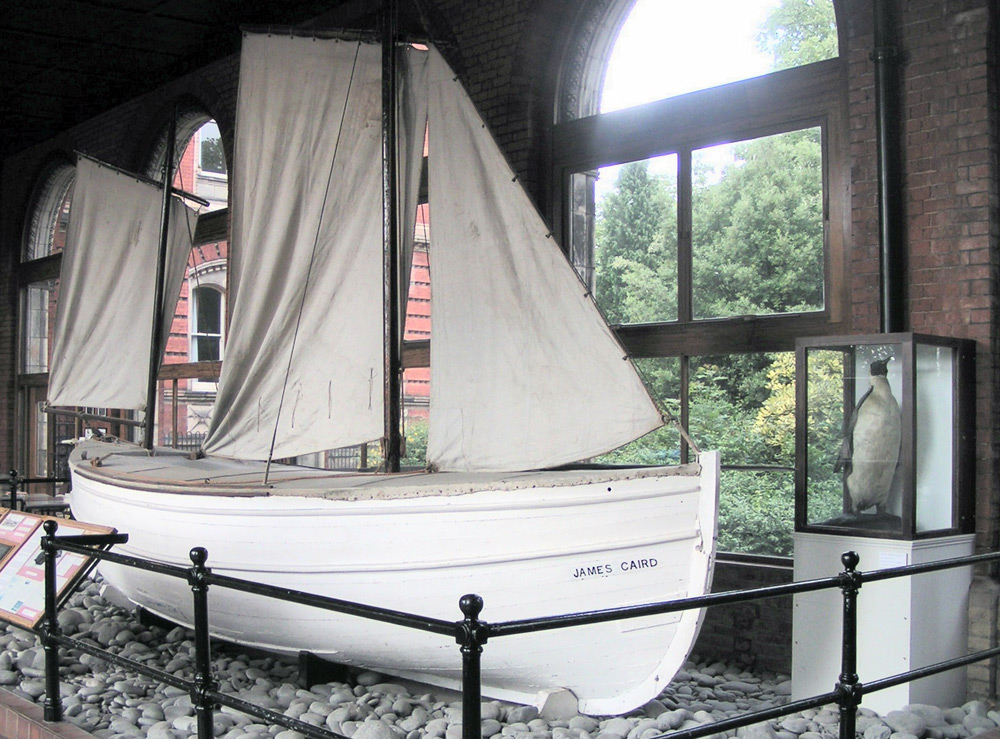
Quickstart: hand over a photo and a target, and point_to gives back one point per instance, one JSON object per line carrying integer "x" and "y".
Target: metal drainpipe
{"x": 890, "y": 192}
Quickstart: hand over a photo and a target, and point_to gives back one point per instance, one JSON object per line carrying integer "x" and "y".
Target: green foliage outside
{"x": 213, "y": 158}
{"x": 757, "y": 236}
{"x": 636, "y": 254}
{"x": 415, "y": 444}
{"x": 757, "y": 249}
{"x": 825, "y": 423}
{"x": 799, "y": 32}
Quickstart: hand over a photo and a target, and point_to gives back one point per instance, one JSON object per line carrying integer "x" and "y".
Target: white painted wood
{"x": 554, "y": 543}
{"x": 903, "y": 623}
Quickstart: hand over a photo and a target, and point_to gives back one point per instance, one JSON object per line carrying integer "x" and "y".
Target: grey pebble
{"x": 617, "y": 726}
{"x": 862, "y": 723}
{"x": 932, "y": 715}
{"x": 757, "y": 731}
{"x": 878, "y": 731}
{"x": 796, "y": 725}
{"x": 975, "y": 721}
{"x": 522, "y": 714}
{"x": 585, "y": 723}
{"x": 954, "y": 715}
{"x": 112, "y": 704}
{"x": 904, "y": 722}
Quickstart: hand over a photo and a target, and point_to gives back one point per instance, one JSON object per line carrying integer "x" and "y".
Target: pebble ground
{"x": 113, "y": 704}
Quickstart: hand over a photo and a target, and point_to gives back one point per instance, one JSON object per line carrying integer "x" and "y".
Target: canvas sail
{"x": 304, "y": 357}
{"x": 106, "y": 286}
{"x": 525, "y": 372}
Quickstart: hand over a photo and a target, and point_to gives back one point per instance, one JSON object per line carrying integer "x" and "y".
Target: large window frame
{"x": 802, "y": 97}
{"x": 808, "y": 96}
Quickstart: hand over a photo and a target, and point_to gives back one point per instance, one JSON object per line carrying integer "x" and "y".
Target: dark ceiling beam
{"x": 65, "y": 61}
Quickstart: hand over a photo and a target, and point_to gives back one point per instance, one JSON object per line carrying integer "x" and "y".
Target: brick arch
{"x": 581, "y": 71}
{"x": 207, "y": 94}
{"x": 191, "y": 114}
{"x": 56, "y": 173}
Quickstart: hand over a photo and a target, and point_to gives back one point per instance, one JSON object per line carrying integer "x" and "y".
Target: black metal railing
{"x": 17, "y": 484}
{"x": 471, "y": 634}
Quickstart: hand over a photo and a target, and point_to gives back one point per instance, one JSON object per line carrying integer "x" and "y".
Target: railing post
{"x": 471, "y": 634}
{"x": 848, "y": 686}
{"x": 13, "y": 481}
{"x": 203, "y": 704}
{"x": 50, "y": 626}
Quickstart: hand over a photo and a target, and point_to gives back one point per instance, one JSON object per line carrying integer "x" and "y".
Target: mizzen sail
{"x": 525, "y": 372}
{"x": 107, "y": 278}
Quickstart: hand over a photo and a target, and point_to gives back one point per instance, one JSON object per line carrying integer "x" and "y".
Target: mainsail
{"x": 304, "y": 356}
{"x": 525, "y": 372}
{"x": 107, "y": 277}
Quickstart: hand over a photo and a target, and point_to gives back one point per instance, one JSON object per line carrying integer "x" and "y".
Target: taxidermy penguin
{"x": 871, "y": 444}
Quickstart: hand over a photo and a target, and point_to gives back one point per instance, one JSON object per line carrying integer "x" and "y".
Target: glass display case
{"x": 884, "y": 435}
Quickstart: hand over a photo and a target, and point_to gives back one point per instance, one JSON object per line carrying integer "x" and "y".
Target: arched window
{"x": 38, "y": 277}
{"x": 706, "y": 209}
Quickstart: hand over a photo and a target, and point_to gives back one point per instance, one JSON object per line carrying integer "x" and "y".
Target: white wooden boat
{"x": 526, "y": 377}
{"x": 531, "y": 544}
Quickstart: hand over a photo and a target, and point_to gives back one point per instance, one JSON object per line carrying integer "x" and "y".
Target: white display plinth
{"x": 903, "y": 623}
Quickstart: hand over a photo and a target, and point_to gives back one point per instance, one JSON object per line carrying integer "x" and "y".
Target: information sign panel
{"x": 22, "y": 571}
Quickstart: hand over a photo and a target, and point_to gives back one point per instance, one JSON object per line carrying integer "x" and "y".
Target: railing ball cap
{"x": 199, "y": 555}
{"x": 850, "y": 560}
{"x": 471, "y": 605}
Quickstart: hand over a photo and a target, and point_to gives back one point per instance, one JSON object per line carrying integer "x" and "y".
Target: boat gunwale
{"x": 371, "y": 485}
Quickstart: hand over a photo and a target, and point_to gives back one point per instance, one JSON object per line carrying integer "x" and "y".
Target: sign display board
{"x": 22, "y": 570}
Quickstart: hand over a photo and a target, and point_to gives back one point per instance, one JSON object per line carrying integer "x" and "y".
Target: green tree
{"x": 636, "y": 248}
{"x": 416, "y": 443}
{"x": 799, "y": 32}
{"x": 775, "y": 419}
{"x": 213, "y": 158}
{"x": 758, "y": 232}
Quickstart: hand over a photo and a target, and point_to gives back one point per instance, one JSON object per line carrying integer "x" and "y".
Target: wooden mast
{"x": 391, "y": 246}
{"x": 156, "y": 341}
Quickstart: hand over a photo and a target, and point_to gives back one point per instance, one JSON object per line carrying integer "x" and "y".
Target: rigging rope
{"x": 312, "y": 259}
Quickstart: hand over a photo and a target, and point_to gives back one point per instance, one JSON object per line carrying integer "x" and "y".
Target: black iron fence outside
{"x": 17, "y": 488}
{"x": 470, "y": 633}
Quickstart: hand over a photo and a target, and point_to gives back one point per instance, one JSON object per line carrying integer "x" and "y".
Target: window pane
{"x": 207, "y": 349}
{"x": 213, "y": 159}
{"x": 825, "y": 424}
{"x": 757, "y": 226}
{"x": 744, "y": 406}
{"x": 38, "y": 321}
{"x": 711, "y": 43}
{"x": 662, "y": 446}
{"x": 208, "y": 304}
{"x": 636, "y": 241}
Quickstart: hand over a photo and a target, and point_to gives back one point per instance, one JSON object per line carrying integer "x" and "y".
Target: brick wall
{"x": 756, "y": 635}
{"x": 21, "y": 719}
{"x": 949, "y": 147}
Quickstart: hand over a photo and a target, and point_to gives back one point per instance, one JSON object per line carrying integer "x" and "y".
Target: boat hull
{"x": 531, "y": 551}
